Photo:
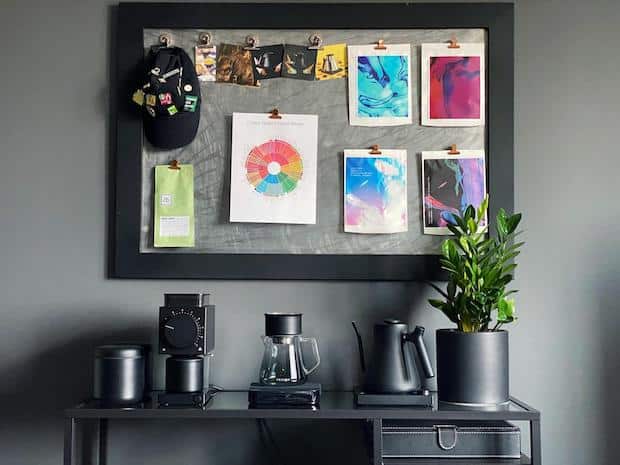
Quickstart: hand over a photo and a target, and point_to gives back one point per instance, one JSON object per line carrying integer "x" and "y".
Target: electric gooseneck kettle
{"x": 392, "y": 367}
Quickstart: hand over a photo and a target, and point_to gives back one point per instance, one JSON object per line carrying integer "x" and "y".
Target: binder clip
{"x": 251, "y": 43}
{"x": 315, "y": 42}
{"x": 204, "y": 39}
{"x": 165, "y": 40}
{"x": 275, "y": 114}
{"x": 380, "y": 45}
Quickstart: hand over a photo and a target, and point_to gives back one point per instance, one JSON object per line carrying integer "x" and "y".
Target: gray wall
{"x": 57, "y": 304}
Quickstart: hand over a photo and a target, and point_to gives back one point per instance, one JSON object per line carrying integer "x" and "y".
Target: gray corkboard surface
{"x": 210, "y": 151}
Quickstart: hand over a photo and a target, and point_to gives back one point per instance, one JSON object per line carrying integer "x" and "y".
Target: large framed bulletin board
{"x": 323, "y": 250}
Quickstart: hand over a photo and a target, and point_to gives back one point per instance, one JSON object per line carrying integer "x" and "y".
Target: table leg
{"x": 535, "y": 442}
{"x": 69, "y": 441}
{"x": 377, "y": 442}
{"x": 102, "y": 441}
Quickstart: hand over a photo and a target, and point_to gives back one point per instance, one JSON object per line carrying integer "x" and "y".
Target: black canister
{"x": 119, "y": 374}
{"x": 184, "y": 374}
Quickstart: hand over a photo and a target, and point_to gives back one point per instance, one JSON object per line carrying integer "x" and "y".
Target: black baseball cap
{"x": 170, "y": 98}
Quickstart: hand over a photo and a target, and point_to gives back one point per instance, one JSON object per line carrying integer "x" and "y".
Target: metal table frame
{"x": 334, "y": 406}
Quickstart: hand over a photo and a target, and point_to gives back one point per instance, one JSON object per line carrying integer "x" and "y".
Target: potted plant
{"x": 472, "y": 360}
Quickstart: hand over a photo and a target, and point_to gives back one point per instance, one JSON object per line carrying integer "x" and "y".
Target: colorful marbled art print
{"x": 379, "y": 85}
{"x": 450, "y": 183}
{"x": 452, "y": 85}
{"x": 375, "y": 191}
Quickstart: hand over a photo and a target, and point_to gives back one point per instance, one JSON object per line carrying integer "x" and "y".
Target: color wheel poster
{"x": 375, "y": 191}
{"x": 453, "y": 85}
{"x": 379, "y": 85}
{"x": 273, "y": 168}
{"x": 450, "y": 183}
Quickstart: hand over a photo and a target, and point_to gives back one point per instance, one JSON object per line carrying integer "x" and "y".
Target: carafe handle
{"x": 315, "y": 352}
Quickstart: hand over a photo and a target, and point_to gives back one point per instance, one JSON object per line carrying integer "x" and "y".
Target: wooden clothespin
{"x": 454, "y": 43}
{"x": 174, "y": 165}
{"x": 380, "y": 45}
{"x": 374, "y": 150}
{"x": 275, "y": 114}
{"x": 453, "y": 150}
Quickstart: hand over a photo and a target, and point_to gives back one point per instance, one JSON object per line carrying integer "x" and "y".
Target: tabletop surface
{"x": 334, "y": 405}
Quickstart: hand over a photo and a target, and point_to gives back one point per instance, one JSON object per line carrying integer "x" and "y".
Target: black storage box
{"x": 459, "y": 439}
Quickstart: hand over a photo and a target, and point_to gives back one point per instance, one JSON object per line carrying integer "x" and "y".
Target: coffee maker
{"x": 186, "y": 335}
{"x": 285, "y": 366}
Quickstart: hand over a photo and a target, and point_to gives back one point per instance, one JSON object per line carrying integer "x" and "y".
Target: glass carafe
{"x": 283, "y": 360}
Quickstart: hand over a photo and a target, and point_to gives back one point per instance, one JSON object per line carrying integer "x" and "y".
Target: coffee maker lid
{"x": 282, "y": 324}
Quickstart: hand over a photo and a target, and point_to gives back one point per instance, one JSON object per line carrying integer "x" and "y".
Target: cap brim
{"x": 174, "y": 131}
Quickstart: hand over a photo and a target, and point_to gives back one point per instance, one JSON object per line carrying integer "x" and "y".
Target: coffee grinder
{"x": 186, "y": 335}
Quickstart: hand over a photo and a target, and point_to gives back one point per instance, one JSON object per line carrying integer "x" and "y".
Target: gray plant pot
{"x": 472, "y": 368}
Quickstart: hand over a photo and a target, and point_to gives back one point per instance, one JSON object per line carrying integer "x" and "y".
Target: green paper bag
{"x": 174, "y": 206}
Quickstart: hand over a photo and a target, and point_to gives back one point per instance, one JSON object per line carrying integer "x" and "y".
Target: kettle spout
{"x": 360, "y": 346}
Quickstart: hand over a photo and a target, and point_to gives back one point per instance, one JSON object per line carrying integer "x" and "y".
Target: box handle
{"x": 442, "y": 438}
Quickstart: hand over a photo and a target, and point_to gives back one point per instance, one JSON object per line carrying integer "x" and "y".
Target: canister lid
{"x": 119, "y": 351}
{"x": 282, "y": 324}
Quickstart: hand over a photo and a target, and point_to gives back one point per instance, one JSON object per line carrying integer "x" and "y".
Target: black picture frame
{"x": 127, "y": 261}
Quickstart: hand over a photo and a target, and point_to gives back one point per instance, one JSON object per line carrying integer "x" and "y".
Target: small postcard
{"x": 450, "y": 183}
{"x": 299, "y": 62}
{"x": 375, "y": 191}
{"x": 234, "y": 65}
{"x": 453, "y": 85}
{"x": 205, "y": 57}
{"x": 331, "y": 62}
{"x": 268, "y": 62}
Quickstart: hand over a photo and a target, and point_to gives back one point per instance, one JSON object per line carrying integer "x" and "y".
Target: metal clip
{"x": 165, "y": 39}
{"x": 374, "y": 150}
{"x": 453, "y": 150}
{"x": 453, "y": 43}
{"x": 316, "y": 42}
{"x": 275, "y": 114}
{"x": 174, "y": 165}
{"x": 380, "y": 45}
{"x": 251, "y": 43}
{"x": 204, "y": 38}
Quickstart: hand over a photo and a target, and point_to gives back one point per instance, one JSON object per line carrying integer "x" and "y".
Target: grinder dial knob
{"x": 181, "y": 331}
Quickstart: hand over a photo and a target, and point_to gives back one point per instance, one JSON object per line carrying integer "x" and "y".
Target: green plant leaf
{"x": 505, "y": 310}
{"x": 470, "y": 213}
{"x": 502, "y": 226}
{"x": 512, "y": 222}
{"x": 482, "y": 209}
{"x": 437, "y": 303}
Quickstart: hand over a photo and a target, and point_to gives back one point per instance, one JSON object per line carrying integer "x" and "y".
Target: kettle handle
{"x": 416, "y": 337}
{"x": 315, "y": 352}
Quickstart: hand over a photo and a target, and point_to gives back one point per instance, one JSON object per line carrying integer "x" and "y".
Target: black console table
{"x": 334, "y": 406}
